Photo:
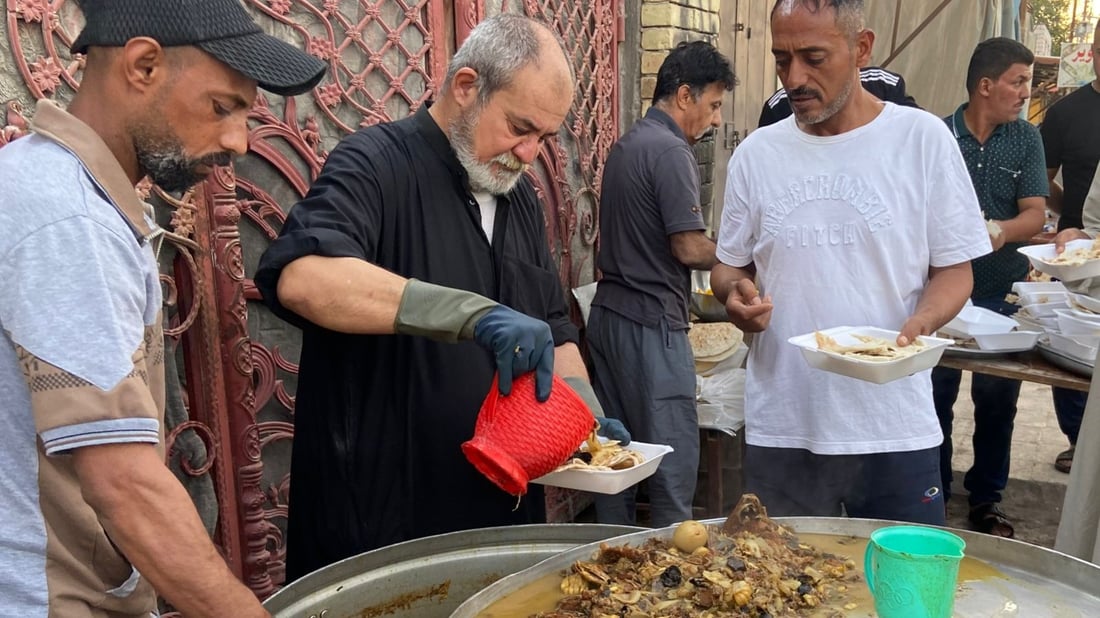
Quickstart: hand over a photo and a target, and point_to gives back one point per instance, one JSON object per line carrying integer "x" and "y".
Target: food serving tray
{"x": 1064, "y": 361}
{"x": 959, "y": 352}
{"x": 1040, "y": 254}
{"x": 878, "y": 372}
{"x": 1021, "y": 579}
{"x": 428, "y": 577}
{"x": 610, "y": 481}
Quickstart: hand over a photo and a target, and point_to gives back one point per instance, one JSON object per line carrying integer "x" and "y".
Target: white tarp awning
{"x": 929, "y": 42}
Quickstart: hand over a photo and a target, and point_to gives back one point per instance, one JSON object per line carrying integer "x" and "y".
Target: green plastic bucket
{"x": 912, "y": 570}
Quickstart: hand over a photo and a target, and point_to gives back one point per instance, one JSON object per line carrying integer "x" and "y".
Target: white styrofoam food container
{"x": 1047, "y": 309}
{"x": 1077, "y": 347}
{"x": 1069, "y": 323}
{"x": 610, "y": 481}
{"x": 878, "y": 372}
{"x": 1084, "y": 316}
{"x": 1035, "y": 287}
{"x": 1028, "y": 322}
{"x": 973, "y": 321}
{"x": 1032, "y": 299}
{"x": 1088, "y": 302}
{"x": 1038, "y": 254}
{"x": 1016, "y": 341}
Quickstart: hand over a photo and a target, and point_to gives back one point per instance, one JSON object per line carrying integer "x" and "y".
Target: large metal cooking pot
{"x": 428, "y": 577}
{"x": 1037, "y": 581}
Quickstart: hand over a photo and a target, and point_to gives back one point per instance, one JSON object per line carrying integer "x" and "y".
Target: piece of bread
{"x": 712, "y": 339}
{"x": 993, "y": 228}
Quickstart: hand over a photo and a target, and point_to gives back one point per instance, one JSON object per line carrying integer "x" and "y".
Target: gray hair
{"x": 497, "y": 49}
{"x": 849, "y": 13}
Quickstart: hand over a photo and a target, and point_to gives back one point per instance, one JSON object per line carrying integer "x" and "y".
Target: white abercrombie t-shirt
{"x": 842, "y": 231}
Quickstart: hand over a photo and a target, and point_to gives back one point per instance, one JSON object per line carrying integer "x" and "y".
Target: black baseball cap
{"x": 221, "y": 28}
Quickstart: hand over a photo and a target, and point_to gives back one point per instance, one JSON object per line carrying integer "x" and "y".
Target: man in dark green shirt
{"x": 1004, "y": 155}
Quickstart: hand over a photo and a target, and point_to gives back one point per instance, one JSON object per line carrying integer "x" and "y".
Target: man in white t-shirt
{"x": 852, "y": 212}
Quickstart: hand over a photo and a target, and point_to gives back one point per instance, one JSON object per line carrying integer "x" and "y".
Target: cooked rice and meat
{"x": 749, "y": 567}
{"x": 602, "y": 456}
{"x": 1077, "y": 257}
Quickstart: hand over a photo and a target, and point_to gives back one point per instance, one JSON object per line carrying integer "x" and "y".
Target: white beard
{"x": 484, "y": 177}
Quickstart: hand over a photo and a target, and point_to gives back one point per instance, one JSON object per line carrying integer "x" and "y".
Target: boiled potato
{"x": 689, "y": 536}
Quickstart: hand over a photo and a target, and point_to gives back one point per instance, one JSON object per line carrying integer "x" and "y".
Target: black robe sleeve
{"x": 335, "y": 219}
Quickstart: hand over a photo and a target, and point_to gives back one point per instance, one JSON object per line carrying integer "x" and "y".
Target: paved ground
{"x": 1035, "y": 492}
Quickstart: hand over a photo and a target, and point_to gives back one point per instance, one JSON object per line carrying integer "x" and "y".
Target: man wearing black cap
{"x": 92, "y": 521}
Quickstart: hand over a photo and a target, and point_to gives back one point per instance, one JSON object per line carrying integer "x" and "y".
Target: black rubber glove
{"x": 613, "y": 429}
{"x": 519, "y": 343}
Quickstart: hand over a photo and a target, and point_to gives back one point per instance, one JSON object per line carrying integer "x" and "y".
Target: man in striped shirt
{"x": 886, "y": 85}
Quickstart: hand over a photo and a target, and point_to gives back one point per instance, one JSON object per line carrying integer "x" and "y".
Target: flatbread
{"x": 717, "y": 358}
{"x": 869, "y": 348}
{"x": 711, "y": 339}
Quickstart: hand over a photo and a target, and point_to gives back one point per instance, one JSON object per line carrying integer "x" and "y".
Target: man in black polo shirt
{"x": 1004, "y": 155}
{"x": 651, "y": 236}
{"x": 416, "y": 266}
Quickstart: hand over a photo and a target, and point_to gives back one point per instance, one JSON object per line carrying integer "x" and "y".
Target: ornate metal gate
{"x": 230, "y": 436}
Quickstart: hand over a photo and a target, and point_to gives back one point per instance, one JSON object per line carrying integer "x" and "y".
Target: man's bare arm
{"x": 1023, "y": 226}
{"x": 150, "y": 517}
{"x": 693, "y": 249}
{"x": 736, "y": 289}
{"x": 568, "y": 362}
{"x": 943, "y": 297}
{"x": 347, "y": 295}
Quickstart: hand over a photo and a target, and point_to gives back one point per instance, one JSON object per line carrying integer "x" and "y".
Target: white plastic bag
{"x": 720, "y": 400}
{"x": 584, "y": 296}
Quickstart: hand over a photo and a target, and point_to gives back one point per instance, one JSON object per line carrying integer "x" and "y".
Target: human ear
{"x": 464, "y": 86}
{"x": 684, "y": 96}
{"x": 985, "y": 86}
{"x": 865, "y": 42}
{"x": 143, "y": 63}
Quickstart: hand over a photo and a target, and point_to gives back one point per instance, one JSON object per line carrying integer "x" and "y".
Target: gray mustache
{"x": 804, "y": 92}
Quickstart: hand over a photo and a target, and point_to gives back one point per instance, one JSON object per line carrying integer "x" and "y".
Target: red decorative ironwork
{"x": 52, "y": 24}
{"x": 205, "y": 370}
{"x": 381, "y": 60}
{"x": 385, "y": 59}
{"x": 227, "y": 268}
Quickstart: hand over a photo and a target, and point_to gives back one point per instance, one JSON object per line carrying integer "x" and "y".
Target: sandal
{"x": 1064, "y": 461}
{"x": 988, "y": 518}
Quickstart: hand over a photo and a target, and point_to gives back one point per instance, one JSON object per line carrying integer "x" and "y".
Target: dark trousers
{"x": 1069, "y": 407}
{"x": 645, "y": 377}
{"x": 994, "y": 417}
{"x": 794, "y": 482}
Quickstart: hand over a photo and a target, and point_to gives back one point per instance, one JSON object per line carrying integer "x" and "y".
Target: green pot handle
{"x": 868, "y": 574}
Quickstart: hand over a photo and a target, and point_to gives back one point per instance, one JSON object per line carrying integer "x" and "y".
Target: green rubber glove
{"x": 519, "y": 343}
{"x": 610, "y": 428}
{"x": 439, "y": 313}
